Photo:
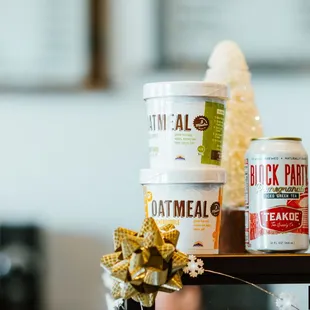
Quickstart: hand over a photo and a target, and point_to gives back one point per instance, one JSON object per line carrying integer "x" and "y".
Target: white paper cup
{"x": 186, "y": 123}
{"x": 189, "y": 199}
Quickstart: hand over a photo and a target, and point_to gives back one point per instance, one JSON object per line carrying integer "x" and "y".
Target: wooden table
{"x": 258, "y": 269}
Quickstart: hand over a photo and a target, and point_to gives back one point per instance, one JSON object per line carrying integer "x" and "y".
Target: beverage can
{"x": 276, "y": 195}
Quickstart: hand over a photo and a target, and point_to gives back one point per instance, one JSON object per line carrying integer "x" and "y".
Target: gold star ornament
{"x": 145, "y": 263}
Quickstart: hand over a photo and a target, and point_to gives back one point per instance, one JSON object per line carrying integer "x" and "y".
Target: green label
{"x": 212, "y": 137}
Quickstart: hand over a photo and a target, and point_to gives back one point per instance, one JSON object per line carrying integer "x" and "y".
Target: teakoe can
{"x": 276, "y": 195}
{"x": 185, "y": 123}
{"x": 191, "y": 200}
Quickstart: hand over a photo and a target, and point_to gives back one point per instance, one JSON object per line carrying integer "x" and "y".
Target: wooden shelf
{"x": 259, "y": 269}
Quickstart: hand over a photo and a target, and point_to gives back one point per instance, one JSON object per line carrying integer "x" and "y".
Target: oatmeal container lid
{"x": 207, "y": 175}
{"x": 185, "y": 88}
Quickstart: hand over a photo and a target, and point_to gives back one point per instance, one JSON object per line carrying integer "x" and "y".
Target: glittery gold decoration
{"x": 227, "y": 64}
{"x": 145, "y": 263}
{"x": 241, "y": 125}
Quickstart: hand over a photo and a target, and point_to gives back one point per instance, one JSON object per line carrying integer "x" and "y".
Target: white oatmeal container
{"x": 276, "y": 194}
{"x": 185, "y": 123}
{"x": 189, "y": 199}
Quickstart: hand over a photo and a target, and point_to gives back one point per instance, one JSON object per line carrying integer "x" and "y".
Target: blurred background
{"x": 73, "y": 128}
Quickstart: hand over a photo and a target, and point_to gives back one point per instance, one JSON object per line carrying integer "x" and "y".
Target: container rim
{"x": 185, "y": 88}
{"x": 208, "y": 175}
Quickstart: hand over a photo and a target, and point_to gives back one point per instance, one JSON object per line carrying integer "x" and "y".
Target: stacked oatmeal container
{"x": 184, "y": 184}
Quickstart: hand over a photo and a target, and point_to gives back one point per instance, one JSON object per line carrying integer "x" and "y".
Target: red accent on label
{"x": 264, "y": 174}
{"x": 267, "y": 174}
{"x": 296, "y": 203}
{"x": 281, "y": 218}
{"x": 256, "y": 230}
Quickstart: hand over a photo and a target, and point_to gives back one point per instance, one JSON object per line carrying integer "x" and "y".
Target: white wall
{"x": 71, "y": 163}
{"x": 131, "y": 38}
{"x": 196, "y": 26}
{"x": 44, "y": 43}
{"x": 64, "y": 156}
